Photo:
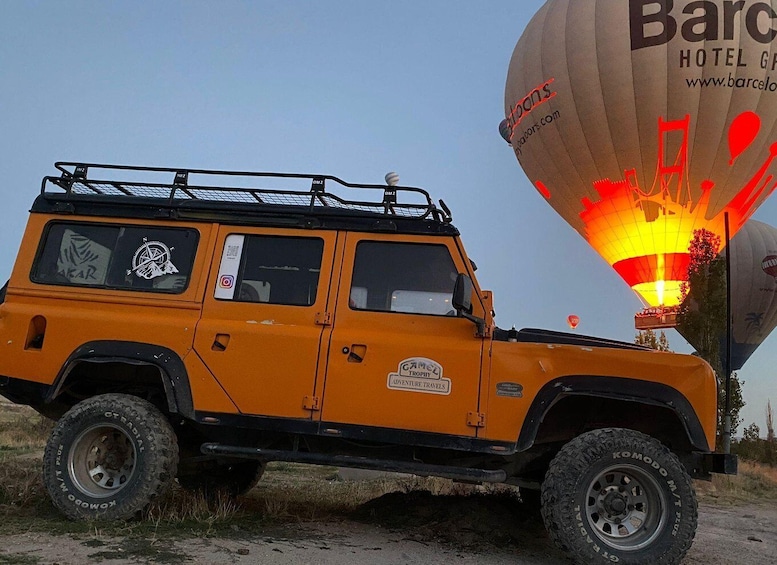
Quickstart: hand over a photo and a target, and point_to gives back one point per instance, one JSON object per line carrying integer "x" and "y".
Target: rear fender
{"x": 171, "y": 368}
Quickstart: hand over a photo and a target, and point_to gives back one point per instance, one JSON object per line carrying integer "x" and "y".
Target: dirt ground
{"x": 395, "y": 526}
{"x": 399, "y": 528}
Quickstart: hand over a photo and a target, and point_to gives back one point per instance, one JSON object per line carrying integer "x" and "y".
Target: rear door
{"x": 261, "y": 327}
{"x": 399, "y": 356}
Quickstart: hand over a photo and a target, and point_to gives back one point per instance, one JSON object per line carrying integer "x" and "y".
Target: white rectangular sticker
{"x": 230, "y": 264}
{"x": 419, "y": 374}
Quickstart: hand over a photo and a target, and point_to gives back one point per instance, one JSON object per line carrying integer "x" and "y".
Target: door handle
{"x": 220, "y": 342}
{"x": 356, "y": 353}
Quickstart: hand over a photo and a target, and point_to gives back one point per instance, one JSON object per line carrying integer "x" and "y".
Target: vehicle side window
{"x": 140, "y": 258}
{"x": 270, "y": 269}
{"x": 403, "y": 277}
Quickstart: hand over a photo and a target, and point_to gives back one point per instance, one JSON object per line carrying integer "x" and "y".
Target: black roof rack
{"x": 224, "y": 188}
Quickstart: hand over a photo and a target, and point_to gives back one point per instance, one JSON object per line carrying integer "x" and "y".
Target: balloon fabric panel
{"x": 638, "y": 129}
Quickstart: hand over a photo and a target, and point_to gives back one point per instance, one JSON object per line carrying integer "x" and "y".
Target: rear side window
{"x": 141, "y": 258}
{"x": 270, "y": 269}
{"x": 411, "y": 278}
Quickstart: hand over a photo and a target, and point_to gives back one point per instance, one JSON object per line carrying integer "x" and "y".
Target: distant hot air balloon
{"x": 642, "y": 121}
{"x": 753, "y": 292}
{"x": 573, "y": 321}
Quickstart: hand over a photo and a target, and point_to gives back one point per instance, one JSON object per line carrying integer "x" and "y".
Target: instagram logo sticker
{"x": 226, "y": 281}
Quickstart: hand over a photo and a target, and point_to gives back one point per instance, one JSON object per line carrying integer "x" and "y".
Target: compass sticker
{"x": 152, "y": 260}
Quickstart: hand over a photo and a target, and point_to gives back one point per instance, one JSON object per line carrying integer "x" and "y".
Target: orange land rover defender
{"x": 186, "y": 324}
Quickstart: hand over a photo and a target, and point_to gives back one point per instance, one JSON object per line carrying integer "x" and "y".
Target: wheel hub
{"x": 614, "y": 504}
{"x": 113, "y": 455}
{"x": 625, "y": 507}
{"x": 102, "y": 461}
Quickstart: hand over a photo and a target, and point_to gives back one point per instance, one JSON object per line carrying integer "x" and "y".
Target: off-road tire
{"x": 233, "y": 479}
{"x": 619, "y": 496}
{"x": 109, "y": 457}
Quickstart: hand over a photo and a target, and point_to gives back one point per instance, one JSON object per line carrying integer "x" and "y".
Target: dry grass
{"x": 23, "y": 434}
{"x": 22, "y": 429}
{"x": 21, "y": 488}
{"x": 754, "y": 482}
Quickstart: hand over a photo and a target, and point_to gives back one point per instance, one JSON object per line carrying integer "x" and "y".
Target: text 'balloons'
{"x": 640, "y": 122}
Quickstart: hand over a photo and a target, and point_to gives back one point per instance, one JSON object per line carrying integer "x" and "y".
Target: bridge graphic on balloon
{"x": 644, "y": 233}
{"x": 634, "y": 149}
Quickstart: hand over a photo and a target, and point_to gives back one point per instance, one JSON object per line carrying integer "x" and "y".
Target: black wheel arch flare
{"x": 613, "y": 388}
{"x": 171, "y": 368}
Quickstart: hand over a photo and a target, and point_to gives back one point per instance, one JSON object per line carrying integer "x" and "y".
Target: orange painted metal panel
{"x": 419, "y": 372}
{"x": 74, "y": 316}
{"x": 270, "y": 359}
{"x": 207, "y": 394}
{"x": 534, "y": 365}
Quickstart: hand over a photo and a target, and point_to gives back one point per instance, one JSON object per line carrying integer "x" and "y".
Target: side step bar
{"x": 423, "y": 469}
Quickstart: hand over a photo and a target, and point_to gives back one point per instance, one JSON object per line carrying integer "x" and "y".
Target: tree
{"x": 702, "y": 317}
{"x": 770, "y": 423}
{"x": 751, "y": 433}
{"x": 648, "y": 338}
{"x": 751, "y": 446}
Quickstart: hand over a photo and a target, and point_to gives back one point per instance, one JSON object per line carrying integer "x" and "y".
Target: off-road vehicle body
{"x": 198, "y": 329}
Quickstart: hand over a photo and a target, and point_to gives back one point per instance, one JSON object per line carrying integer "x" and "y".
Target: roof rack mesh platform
{"x": 174, "y": 186}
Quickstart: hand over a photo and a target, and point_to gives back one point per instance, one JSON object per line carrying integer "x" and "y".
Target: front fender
{"x": 615, "y": 388}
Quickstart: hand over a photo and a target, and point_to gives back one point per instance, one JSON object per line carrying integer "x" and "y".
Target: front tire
{"x": 109, "y": 457}
{"x": 619, "y": 496}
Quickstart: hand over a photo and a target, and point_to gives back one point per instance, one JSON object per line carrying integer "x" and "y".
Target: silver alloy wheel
{"x": 625, "y": 507}
{"x": 102, "y": 460}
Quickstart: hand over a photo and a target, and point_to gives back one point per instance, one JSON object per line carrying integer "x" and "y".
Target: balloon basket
{"x": 661, "y": 317}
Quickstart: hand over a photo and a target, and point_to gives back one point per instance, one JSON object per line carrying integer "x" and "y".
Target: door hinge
{"x": 324, "y": 318}
{"x": 311, "y": 403}
{"x": 476, "y": 419}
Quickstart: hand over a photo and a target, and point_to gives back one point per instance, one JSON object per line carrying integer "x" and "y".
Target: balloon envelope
{"x": 753, "y": 289}
{"x": 573, "y": 321}
{"x": 753, "y": 292}
{"x": 642, "y": 121}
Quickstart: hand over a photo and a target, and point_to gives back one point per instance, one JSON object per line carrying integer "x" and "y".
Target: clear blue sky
{"x": 349, "y": 88}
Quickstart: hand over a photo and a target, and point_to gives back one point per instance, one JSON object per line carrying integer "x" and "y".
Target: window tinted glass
{"x": 272, "y": 270}
{"x": 123, "y": 257}
{"x": 403, "y": 277}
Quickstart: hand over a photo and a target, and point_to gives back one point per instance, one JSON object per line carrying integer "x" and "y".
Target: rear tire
{"x": 619, "y": 496}
{"x": 109, "y": 457}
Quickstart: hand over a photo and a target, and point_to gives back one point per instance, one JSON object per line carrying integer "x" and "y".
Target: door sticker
{"x": 418, "y": 374}
{"x": 152, "y": 260}
{"x": 230, "y": 264}
{"x": 82, "y": 260}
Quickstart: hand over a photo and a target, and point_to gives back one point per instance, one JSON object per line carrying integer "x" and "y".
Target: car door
{"x": 263, "y": 317}
{"x": 399, "y": 357}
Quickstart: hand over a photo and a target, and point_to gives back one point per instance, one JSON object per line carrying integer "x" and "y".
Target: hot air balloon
{"x": 753, "y": 291}
{"x": 642, "y": 121}
{"x": 573, "y": 320}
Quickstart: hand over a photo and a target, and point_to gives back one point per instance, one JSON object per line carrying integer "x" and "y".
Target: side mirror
{"x": 462, "y": 294}
{"x": 462, "y": 302}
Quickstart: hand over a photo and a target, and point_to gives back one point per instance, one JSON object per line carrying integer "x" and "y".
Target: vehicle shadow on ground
{"x": 473, "y": 522}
